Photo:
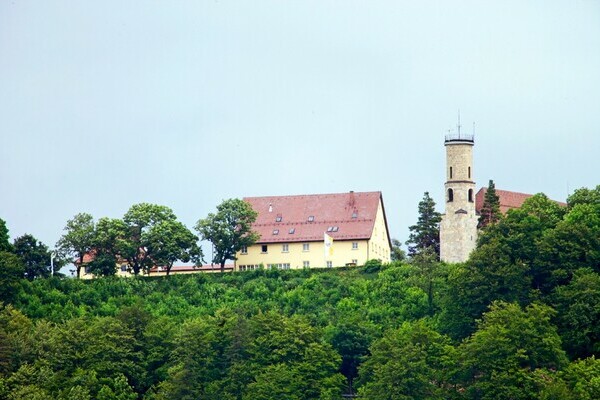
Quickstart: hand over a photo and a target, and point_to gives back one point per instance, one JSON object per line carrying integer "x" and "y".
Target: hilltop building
{"x": 293, "y": 231}
{"x": 458, "y": 229}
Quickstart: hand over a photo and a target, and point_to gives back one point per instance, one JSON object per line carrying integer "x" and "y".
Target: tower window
{"x": 450, "y": 195}
{"x": 469, "y": 172}
{"x": 471, "y": 195}
{"x": 450, "y": 172}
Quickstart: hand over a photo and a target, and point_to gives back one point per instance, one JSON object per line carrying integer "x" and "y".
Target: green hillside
{"x": 519, "y": 320}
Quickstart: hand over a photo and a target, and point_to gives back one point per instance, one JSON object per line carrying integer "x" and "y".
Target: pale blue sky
{"x": 109, "y": 103}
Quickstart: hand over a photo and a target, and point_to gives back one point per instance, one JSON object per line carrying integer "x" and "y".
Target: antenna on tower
{"x": 458, "y": 126}
{"x": 473, "y": 128}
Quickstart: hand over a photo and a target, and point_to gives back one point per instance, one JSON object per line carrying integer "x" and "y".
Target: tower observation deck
{"x": 459, "y": 137}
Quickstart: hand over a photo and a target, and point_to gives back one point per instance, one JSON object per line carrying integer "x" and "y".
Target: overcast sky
{"x": 185, "y": 103}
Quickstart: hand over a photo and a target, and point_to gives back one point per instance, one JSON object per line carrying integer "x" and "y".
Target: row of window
{"x": 305, "y": 264}
{"x": 451, "y": 195}
{"x": 285, "y": 248}
{"x": 291, "y": 231}
{"x": 311, "y": 218}
{"x": 469, "y": 172}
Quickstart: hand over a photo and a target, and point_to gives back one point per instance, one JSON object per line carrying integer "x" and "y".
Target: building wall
{"x": 344, "y": 253}
{"x": 295, "y": 256}
{"x": 379, "y": 244}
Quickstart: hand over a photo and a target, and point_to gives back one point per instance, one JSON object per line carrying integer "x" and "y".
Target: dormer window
{"x": 330, "y": 229}
{"x": 354, "y": 215}
{"x": 292, "y": 231}
{"x": 275, "y": 231}
{"x": 311, "y": 218}
{"x": 335, "y": 229}
{"x": 278, "y": 218}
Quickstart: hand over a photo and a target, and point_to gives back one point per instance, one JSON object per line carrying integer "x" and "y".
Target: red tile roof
{"x": 353, "y": 214}
{"x": 508, "y": 199}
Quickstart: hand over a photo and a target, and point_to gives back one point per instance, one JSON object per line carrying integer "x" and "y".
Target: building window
{"x": 292, "y": 231}
{"x": 329, "y": 264}
{"x": 450, "y": 172}
{"x": 330, "y": 229}
{"x": 354, "y": 245}
{"x": 306, "y": 264}
{"x": 450, "y": 195}
{"x": 124, "y": 268}
{"x": 335, "y": 229}
{"x": 469, "y": 172}
{"x": 244, "y": 249}
{"x": 354, "y": 215}
{"x": 275, "y": 231}
{"x": 264, "y": 248}
{"x": 311, "y": 218}
{"x": 278, "y": 218}
{"x": 471, "y": 195}
{"x": 305, "y": 246}
{"x": 285, "y": 248}
{"x": 354, "y": 261}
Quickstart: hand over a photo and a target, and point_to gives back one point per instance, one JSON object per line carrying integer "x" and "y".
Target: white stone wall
{"x": 458, "y": 230}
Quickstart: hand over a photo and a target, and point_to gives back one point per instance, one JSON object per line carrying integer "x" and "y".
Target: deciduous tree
{"x": 11, "y": 271}
{"x": 229, "y": 230}
{"x": 34, "y": 255}
{"x": 397, "y": 253}
{"x": 140, "y": 220}
{"x": 169, "y": 241}
{"x": 78, "y": 239}
{"x": 4, "y": 237}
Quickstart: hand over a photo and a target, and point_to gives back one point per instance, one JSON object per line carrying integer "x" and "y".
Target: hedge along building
{"x": 293, "y": 228}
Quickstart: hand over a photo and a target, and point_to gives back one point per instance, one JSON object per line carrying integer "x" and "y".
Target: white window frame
{"x": 285, "y": 248}
{"x": 354, "y": 245}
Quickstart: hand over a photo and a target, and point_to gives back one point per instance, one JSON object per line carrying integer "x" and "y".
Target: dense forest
{"x": 519, "y": 320}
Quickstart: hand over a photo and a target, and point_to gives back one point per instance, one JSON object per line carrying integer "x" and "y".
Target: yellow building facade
{"x": 292, "y": 231}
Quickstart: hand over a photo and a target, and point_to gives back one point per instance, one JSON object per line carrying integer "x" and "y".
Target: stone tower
{"x": 458, "y": 229}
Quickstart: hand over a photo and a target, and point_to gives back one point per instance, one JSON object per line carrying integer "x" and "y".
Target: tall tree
{"x": 397, "y": 253}
{"x": 11, "y": 272}
{"x": 169, "y": 241}
{"x": 426, "y": 233}
{"x": 490, "y": 211}
{"x": 140, "y": 220}
{"x": 34, "y": 255}
{"x": 510, "y": 343}
{"x": 407, "y": 363}
{"x": 229, "y": 229}
{"x": 110, "y": 241}
{"x": 78, "y": 239}
{"x": 4, "y": 237}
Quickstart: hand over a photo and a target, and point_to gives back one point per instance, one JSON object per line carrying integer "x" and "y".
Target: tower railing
{"x": 459, "y": 137}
